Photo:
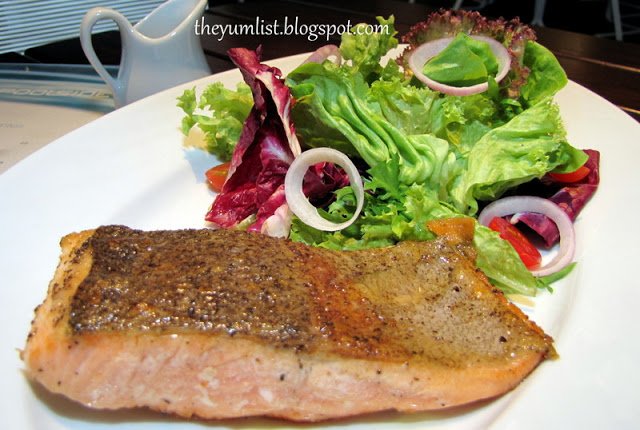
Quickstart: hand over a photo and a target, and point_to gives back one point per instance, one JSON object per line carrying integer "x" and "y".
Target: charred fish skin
{"x": 417, "y": 325}
{"x": 185, "y": 283}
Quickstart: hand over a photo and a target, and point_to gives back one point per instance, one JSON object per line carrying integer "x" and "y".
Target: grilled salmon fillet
{"x": 221, "y": 324}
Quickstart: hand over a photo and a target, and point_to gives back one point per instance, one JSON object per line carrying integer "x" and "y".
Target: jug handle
{"x": 86, "y": 29}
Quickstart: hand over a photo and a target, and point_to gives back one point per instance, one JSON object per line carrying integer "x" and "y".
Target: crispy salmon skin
{"x": 221, "y": 324}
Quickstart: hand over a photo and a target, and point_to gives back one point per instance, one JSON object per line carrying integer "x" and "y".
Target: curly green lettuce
{"x": 364, "y": 50}
{"x": 219, "y": 113}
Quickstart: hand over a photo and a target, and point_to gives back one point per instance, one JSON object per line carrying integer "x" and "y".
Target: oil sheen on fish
{"x": 221, "y": 324}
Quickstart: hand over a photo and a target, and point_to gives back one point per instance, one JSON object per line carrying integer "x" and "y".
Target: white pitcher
{"x": 160, "y": 51}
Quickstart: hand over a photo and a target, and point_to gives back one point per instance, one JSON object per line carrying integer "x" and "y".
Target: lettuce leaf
{"x": 365, "y": 50}
{"x": 501, "y": 263}
{"x": 464, "y": 62}
{"x": 336, "y": 108}
{"x": 546, "y": 75}
{"x": 530, "y": 145}
{"x": 219, "y": 113}
{"x": 400, "y": 104}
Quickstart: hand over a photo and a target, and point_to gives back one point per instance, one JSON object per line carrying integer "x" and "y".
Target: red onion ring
{"x": 516, "y": 204}
{"x": 323, "y": 53}
{"x": 426, "y": 51}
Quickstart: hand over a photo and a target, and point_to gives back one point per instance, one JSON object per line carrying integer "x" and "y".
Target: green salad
{"x": 423, "y": 155}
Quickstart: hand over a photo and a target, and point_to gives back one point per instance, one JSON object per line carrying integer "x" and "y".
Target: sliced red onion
{"x": 572, "y": 198}
{"x": 426, "y": 51}
{"x": 517, "y": 204}
{"x": 298, "y": 202}
{"x": 324, "y": 53}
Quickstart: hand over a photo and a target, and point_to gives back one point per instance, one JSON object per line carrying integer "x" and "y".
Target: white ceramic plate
{"x": 130, "y": 168}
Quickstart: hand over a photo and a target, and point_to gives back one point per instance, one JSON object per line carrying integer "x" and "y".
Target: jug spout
{"x": 160, "y": 51}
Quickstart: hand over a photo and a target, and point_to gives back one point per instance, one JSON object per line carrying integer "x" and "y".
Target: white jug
{"x": 159, "y": 52}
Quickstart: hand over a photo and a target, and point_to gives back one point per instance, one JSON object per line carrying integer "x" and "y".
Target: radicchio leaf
{"x": 571, "y": 199}
{"x": 267, "y": 146}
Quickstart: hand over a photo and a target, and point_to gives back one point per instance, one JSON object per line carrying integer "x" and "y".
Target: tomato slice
{"x": 574, "y": 176}
{"x": 528, "y": 253}
{"x": 216, "y": 176}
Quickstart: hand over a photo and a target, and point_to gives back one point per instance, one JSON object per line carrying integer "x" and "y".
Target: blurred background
{"x": 593, "y": 17}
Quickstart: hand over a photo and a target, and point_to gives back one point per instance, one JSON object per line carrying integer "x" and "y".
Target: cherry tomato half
{"x": 528, "y": 253}
{"x": 570, "y": 177}
{"x": 216, "y": 176}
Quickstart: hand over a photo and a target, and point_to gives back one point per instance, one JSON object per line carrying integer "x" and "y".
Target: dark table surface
{"x": 608, "y": 68}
